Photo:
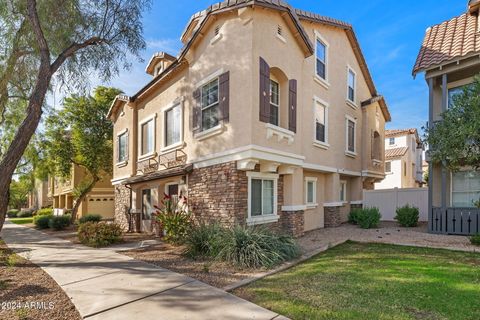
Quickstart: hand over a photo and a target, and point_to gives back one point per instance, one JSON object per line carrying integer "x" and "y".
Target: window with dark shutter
{"x": 224, "y": 80}
{"x": 264, "y": 91}
{"x": 274, "y": 102}
{"x": 292, "y": 105}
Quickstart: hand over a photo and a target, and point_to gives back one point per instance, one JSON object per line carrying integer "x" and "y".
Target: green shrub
{"x": 25, "y": 214}
{"x": 12, "y": 213}
{"x": 475, "y": 240}
{"x": 59, "y": 222}
{"x": 175, "y": 221}
{"x": 368, "y": 218}
{"x": 42, "y": 221}
{"x": 256, "y": 247}
{"x": 99, "y": 234}
{"x": 353, "y": 216}
{"x": 45, "y": 212}
{"x": 90, "y": 218}
{"x": 407, "y": 216}
{"x": 204, "y": 240}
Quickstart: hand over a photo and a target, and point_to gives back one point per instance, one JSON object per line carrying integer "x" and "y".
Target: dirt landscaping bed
{"x": 217, "y": 274}
{"x": 27, "y": 292}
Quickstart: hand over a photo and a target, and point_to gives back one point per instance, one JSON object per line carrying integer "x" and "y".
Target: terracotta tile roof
{"x": 449, "y": 40}
{"x": 398, "y": 132}
{"x": 395, "y": 153}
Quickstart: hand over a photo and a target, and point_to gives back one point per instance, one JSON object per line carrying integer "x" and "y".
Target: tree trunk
{"x": 22, "y": 138}
{"x": 82, "y": 197}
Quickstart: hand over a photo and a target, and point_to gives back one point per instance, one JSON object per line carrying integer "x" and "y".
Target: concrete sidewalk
{"x": 107, "y": 285}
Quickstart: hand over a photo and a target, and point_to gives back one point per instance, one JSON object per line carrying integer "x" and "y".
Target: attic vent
{"x": 217, "y": 30}
{"x": 279, "y": 31}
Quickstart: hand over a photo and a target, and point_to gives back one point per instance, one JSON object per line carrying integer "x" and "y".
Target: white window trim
{"x": 210, "y": 132}
{"x": 202, "y": 108}
{"x": 215, "y": 39}
{"x": 209, "y": 78}
{"x": 181, "y": 143}
{"x": 121, "y": 163}
{"x": 348, "y": 152}
{"x": 351, "y": 103}
{"x": 465, "y": 169}
{"x": 314, "y": 203}
{"x": 344, "y": 194}
{"x": 320, "y": 144}
{"x": 140, "y": 124}
{"x": 264, "y": 218}
{"x": 324, "y": 82}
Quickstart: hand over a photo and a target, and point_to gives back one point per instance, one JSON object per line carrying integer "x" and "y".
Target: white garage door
{"x": 104, "y": 206}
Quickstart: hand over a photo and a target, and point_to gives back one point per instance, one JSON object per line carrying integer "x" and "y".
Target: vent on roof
{"x": 280, "y": 31}
{"x": 217, "y": 30}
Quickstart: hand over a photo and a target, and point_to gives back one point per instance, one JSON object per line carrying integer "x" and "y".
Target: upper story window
{"x": 274, "y": 102}
{"x": 454, "y": 92}
{"x": 352, "y": 82}
{"x": 388, "y": 166}
{"x": 122, "y": 147}
{"x": 351, "y": 135}
{"x": 377, "y": 149}
{"x": 391, "y": 141}
{"x": 210, "y": 105}
{"x": 321, "y": 118}
{"x": 321, "y": 59}
{"x": 147, "y": 137}
{"x": 173, "y": 125}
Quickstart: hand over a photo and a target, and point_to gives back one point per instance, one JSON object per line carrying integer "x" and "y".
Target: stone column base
{"x": 293, "y": 222}
{"x": 332, "y": 217}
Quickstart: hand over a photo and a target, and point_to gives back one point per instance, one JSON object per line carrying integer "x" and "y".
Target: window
{"x": 172, "y": 190}
{"x": 320, "y": 122}
{"x": 321, "y": 59}
{"x": 343, "y": 191}
{"x": 262, "y": 197}
{"x": 210, "y": 105}
{"x": 388, "y": 166}
{"x": 405, "y": 169}
{"x": 148, "y": 137}
{"x": 454, "y": 92}
{"x": 351, "y": 85}
{"x": 391, "y": 141}
{"x": 311, "y": 191}
{"x": 274, "y": 102}
{"x": 173, "y": 125}
{"x": 350, "y": 135}
{"x": 465, "y": 188}
{"x": 122, "y": 147}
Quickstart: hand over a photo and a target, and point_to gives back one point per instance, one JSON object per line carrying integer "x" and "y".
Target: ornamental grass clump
{"x": 247, "y": 247}
{"x": 204, "y": 240}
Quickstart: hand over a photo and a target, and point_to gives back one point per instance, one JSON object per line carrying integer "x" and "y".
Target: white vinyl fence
{"x": 389, "y": 200}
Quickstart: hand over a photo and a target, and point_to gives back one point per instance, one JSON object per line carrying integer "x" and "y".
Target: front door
{"x": 147, "y": 209}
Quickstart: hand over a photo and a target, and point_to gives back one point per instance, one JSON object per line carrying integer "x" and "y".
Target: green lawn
{"x": 375, "y": 281}
{"x": 22, "y": 220}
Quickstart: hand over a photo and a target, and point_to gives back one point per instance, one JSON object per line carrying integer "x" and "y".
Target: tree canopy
{"x": 455, "y": 140}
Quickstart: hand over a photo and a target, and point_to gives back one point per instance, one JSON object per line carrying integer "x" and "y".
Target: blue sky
{"x": 390, "y": 34}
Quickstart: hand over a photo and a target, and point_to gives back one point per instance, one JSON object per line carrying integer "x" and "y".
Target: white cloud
{"x": 171, "y": 46}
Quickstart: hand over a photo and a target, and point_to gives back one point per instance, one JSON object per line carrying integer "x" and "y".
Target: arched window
{"x": 278, "y": 98}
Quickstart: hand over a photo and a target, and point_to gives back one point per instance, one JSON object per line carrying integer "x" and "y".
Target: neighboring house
{"x": 449, "y": 59}
{"x": 38, "y": 197}
{"x": 268, "y": 115}
{"x": 403, "y": 160}
{"x": 99, "y": 201}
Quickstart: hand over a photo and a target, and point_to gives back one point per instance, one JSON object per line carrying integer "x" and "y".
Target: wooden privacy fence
{"x": 388, "y": 200}
{"x": 461, "y": 221}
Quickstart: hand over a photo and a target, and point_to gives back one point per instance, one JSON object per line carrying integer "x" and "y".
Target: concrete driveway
{"x": 107, "y": 285}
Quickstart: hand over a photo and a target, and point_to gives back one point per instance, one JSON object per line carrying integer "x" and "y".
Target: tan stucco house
{"x": 403, "y": 160}
{"x": 38, "y": 198}
{"x": 268, "y": 115}
{"x": 449, "y": 59}
{"x": 98, "y": 201}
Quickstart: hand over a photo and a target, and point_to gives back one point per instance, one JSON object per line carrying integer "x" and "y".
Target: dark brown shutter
{"x": 127, "y": 145}
{"x": 224, "y": 80}
{"x": 292, "y": 105}
{"x": 196, "y": 112}
{"x": 264, "y": 91}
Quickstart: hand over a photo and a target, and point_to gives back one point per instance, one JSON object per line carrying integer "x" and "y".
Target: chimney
{"x": 473, "y": 6}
